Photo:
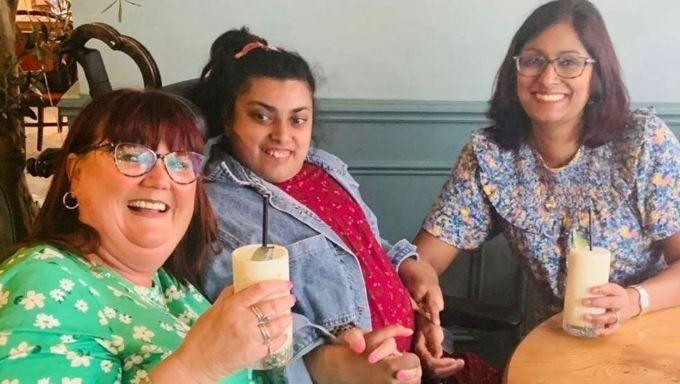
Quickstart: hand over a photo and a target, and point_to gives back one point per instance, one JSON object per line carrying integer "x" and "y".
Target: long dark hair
{"x": 146, "y": 117}
{"x": 225, "y": 77}
{"x": 607, "y": 111}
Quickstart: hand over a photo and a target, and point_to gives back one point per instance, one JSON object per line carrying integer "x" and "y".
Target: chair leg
{"x": 60, "y": 122}
{"x": 41, "y": 122}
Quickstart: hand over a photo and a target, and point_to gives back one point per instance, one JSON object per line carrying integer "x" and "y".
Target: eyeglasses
{"x": 566, "y": 66}
{"x": 135, "y": 160}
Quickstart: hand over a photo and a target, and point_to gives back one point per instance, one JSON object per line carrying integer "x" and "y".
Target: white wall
{"x": 389, "y": 49}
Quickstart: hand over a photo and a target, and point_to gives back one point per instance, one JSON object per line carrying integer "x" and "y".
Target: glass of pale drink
{"x": 586, "y": 268}
{"x": 249, "y": 270}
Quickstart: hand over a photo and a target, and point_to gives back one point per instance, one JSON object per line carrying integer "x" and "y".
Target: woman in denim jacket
{"x": 344, "y": 275}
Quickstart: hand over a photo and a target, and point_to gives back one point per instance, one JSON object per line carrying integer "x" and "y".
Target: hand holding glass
{"x": 247, "y": 272}
{"x": 586, "y": 268}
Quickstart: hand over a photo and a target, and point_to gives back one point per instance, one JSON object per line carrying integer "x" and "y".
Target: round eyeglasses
{"x": 134, "y": 160}
{"x": 566, "y": 66}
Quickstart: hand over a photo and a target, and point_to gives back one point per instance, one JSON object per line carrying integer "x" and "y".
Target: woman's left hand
{"x": 620, "y": 303}
{"x": 422, "y": 282}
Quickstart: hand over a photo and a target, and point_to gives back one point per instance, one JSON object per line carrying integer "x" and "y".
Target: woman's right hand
{"x": 226, "y": 338}
{"x": 428, "y": 346}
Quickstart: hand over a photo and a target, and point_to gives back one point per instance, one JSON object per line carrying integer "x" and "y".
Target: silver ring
{"x": 261, "y": 317}
{"x": 266, "y": 335}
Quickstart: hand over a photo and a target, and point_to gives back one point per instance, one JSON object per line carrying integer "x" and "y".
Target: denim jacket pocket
{"x": 320, "y": 283}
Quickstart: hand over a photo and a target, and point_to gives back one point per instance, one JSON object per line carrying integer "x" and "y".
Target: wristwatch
{"x": 644, "y": 298}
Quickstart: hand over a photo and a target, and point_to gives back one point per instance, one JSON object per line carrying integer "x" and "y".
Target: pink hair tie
{"x": 254, "y": 45}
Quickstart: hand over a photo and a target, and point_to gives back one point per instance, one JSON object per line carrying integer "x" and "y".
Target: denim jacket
{"x": 328, "y": 282}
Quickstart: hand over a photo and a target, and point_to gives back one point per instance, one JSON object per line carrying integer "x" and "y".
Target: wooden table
{"x": 644, "y": 350}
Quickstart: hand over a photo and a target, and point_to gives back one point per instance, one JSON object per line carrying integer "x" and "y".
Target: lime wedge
{"x": 263, "y": 254}
{"x": 579, "y": 241}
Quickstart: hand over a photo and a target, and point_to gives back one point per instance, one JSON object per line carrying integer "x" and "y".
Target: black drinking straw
{"x": 264, "y": 220}
{"x": 590, "y": 228}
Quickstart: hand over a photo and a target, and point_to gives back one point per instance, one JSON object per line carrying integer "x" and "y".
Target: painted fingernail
{"x": 401, "y": 375}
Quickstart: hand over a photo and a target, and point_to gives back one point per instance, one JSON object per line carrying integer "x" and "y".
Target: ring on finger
{"x": 616, "y": 317}
{"x": 261, "y": 317}
{"x": 266, "y": 335}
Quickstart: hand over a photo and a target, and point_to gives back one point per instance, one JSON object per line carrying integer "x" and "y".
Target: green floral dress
{"x": 64, "y": 320}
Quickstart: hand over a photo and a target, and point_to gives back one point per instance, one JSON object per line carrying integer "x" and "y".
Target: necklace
{"x": 545, "y": 165}
{"x": 548, "y": 173}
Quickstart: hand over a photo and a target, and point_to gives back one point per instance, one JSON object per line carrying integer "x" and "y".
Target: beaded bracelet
{"x": 340, "y": 329}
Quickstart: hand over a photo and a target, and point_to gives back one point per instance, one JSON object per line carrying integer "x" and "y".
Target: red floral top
{"x": 388, "y": 298}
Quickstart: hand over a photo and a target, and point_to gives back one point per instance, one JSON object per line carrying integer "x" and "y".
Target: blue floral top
{"x": 630, "y": 186}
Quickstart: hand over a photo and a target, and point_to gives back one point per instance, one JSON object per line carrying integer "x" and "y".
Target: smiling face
{"x": 272, "y": 128}
{"x": 549, "y": 100}
{"x": 140, "y": 220}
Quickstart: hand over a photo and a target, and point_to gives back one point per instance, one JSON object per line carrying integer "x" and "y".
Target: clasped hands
{"x": 378, "y": 349}
{"x": 423, "y": 285}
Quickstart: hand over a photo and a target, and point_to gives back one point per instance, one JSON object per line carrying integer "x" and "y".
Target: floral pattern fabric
{"x": 64, "y": 320}
{"x": 628, "y": 187}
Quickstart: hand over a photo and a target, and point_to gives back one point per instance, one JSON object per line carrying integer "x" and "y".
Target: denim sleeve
{"x": 307, "y": 335}
{"x": 400, "y": 251}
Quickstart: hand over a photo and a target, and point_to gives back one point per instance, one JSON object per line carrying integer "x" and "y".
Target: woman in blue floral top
{"x": 103, "y": 292}
{"x": 564, "y": 143}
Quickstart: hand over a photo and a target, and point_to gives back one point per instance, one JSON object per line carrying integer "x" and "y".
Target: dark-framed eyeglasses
{"x": 566, "y": 66}
{"x": 134, "y": 160}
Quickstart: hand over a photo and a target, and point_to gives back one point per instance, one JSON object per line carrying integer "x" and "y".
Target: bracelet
{"x": 643, "y": 300}
{"x": 339, "y": 330}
